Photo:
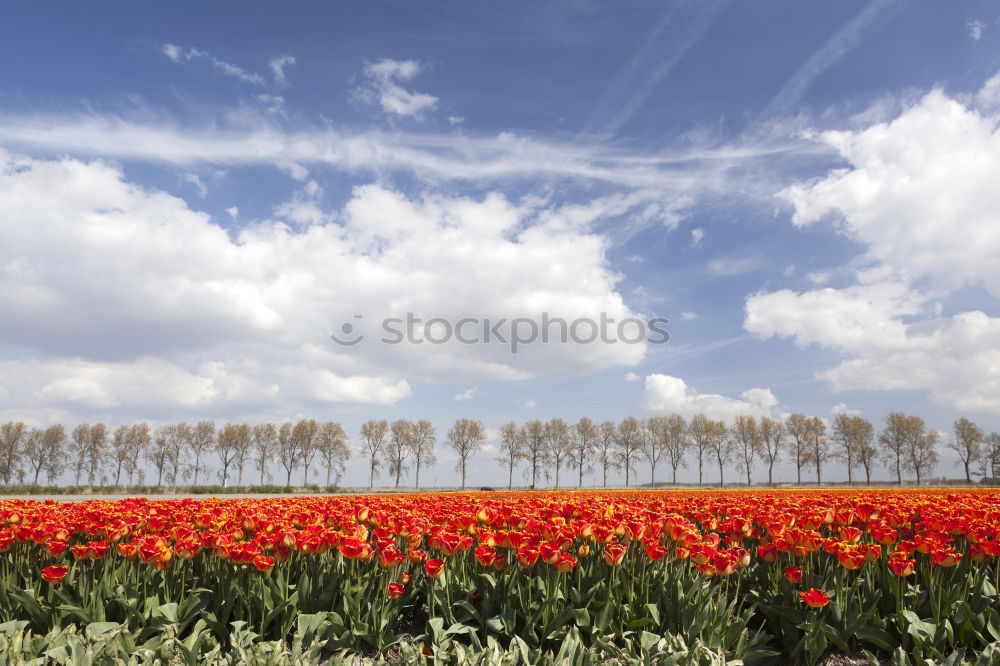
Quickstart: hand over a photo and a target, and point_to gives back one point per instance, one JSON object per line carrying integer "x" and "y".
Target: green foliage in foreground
{"x": 113, "y": 644}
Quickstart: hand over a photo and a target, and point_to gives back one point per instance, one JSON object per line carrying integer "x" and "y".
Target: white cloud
{"x": 274, "y": 104}
{"x": 975, "y": 29}
{"x": 664, "y": 393}
{"x": 697, "y": 235}
{"x": 195, "y": 179}
{"x": 455, "y": 120}
{"x": 841, "y": 408}
{"x": 631, "y": 377}
{"x": 256, "y": 140}
{"x": 468, "y": 394}
{"x": 178, "y": 54}
{"x": 383, "y": 88}
{"x": 688, "y": 316}
{"x": 920, "y": 195}
{"x": 113, "y": 282}
{"x": 729, "y": 266}
{"x": 527, "y": 403}
{"x": 278, "y": 65}
{"x": 233, "y": 211}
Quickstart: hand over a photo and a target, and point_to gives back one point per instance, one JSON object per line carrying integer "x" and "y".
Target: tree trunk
{"x": 305, "y": 475}
{"x": 581, "y": 474}
{"x": 510, "y": 475}
{"x": 371, "y": 478}
{"x": 968, "y": 477}
{"x": 605, "y": 483}
{"x": 770, "y": 474}
{"x": 118, "y": 473}
{"x": 416, "y": 480}
{"x": 239, "y": 476}
{"x": 748, "y": 475}
{"x": 675, "y": 475}
{"x": 225, "y": 475}
{"x": 328, "y": 477}
{"x": 798, "y": 467}
{"x": 38, "y": 470}
{"x": 557, "y": 476}
{"x": 159, "y": 477}
{"x": 721, "y": 484}
{"x": 288, "y": 479}
{"x": 652, "y": 474}
{"x": 899, "y": 473}
{"x": 463, "y": 473}
{"x": 699, "y": 471}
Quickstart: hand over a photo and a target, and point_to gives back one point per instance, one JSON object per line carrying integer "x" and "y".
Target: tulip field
{"x": 618, "y": 577}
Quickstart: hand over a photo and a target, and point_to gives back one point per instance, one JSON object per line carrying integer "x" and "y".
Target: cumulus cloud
{"x": 632, "y": 377}
{"x": 383, "y": 87}
{"x": 664, "y": 393}
{"x": 919, "y": 194}
{"x": 113, "y": 283}
{"x": 697, "y": 235}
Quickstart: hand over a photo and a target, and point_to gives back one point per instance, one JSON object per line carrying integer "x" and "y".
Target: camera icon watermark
{"x": 516, "y": 333}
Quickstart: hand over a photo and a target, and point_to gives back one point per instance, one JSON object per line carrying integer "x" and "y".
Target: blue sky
{"x": 193, "y": 198}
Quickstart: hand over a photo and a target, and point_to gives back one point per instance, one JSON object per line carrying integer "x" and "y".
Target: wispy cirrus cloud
{"x": 179, "y": 54}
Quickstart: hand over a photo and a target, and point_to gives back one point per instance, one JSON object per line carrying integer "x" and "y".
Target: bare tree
{"x": 920, "y": 456}
{"x": 159, "y": 453}
{"x": 374, "y": 434}
{"x": 653, "y": 444}
{"x": 853, "y": 435}
{"x": 119, "y": 446}
{"x": 631, "y": 438}
{"x": 511, "y": 449}
{"x": 866, "y": 451}
{"x": 797, "y": 426}
{"x": 557, "y": 439}
{"x": 772, "y": 434}
{"x": 333, "y": 448}
{"x": 233, "y": 438}
{"x": 677, "y": 443}
{"x": 400, "y": 446}
{"x": 44, "y": 451}
{"x": 265, "y": 438}
{"x": 77, "y": 450}
{"x": 465, "y": 437}
{"x": 607, "y": 442}
{"x": 701, "y": 439}
{"x": 178, "y": 440}
{"x": 287, "y": 450}
{"x": 720, "y": 445}
{"x": 819, "y": 444}
{"x": 583, "y": 438}
{"x": 139, "y": 438}
{"x": 97, "y": 450}
{"x": 535, "y": 450}
{"x": 424, "y": 437}
{"x": 900, "y": 432}
{"x": 991, "y": 457}
{"x": 746, "y": 436}
{"x": 202, "y": 440}
{"x": 12, "y": 435}
{"x": 968, "y": 444}
{"x": 34, "y": 451}
{"x": 244, "y": 447}
{"x": 304, "y": 431}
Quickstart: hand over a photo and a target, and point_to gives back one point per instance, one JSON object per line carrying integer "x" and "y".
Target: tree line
{"x": 92, "y": 452}
{"x": 540, "y": 449}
